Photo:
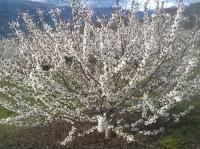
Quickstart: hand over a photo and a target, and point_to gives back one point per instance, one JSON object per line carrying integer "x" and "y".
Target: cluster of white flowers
{"x": 125, "y": 136}
{"x": 89, "y": 71}
{"x": 152, "y": 132}
{"x": 70, "y": 137}
{"x": 87, "y": 132}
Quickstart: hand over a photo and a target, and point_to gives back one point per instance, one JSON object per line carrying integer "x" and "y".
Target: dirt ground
{"x": 49, "y": 137}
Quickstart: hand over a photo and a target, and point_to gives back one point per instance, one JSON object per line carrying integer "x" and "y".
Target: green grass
{"x": 187, "y": 131}
{"x": 4, "y": 112}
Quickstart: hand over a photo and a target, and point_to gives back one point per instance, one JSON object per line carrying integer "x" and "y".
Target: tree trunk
{"x": 107, "y": 133}
{"x": 103, "y": 126}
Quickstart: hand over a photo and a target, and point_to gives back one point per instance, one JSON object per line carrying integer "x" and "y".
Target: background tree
{"x": 122, "y": 79}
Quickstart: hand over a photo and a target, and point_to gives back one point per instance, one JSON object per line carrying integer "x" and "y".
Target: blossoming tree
{"x": 77, "y": 72}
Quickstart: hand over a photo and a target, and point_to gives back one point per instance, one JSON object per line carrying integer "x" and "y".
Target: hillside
{"x": 191, "y": 12}
{"x": 9, "y": 10}
{"x": 193, "y": 9}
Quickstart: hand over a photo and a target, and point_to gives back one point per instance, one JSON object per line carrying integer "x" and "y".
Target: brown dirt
{"x": 49, "y": 136}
